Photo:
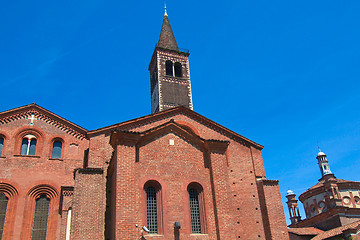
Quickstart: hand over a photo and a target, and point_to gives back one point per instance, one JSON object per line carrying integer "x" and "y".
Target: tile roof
{"x": 305, "y": 231}
{"x": 167, "y": 39}
{"x": 337, "y": 231}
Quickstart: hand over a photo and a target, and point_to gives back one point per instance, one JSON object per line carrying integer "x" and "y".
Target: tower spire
{"x": 167, "y": 39}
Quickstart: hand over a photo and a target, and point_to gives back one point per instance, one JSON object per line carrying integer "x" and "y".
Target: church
{"x": 172, "y": 174}
{"x": 332, "y": 208}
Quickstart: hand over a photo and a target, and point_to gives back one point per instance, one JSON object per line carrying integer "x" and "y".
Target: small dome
{"x": 290, "y": 192}
{"x": 321, "y": 154}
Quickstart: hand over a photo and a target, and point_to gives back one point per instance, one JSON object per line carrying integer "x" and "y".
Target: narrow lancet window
{"x": 151, "y": 205}
{"x": 195, "y": 210}
{"x": 41, "y": 215}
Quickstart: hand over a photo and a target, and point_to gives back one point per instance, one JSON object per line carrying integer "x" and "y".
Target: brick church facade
{"x": 177, "y": 173}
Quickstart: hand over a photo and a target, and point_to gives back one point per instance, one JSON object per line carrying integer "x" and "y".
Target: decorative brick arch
{"x": 188, "y": 126}
{"x": 38, "y": 133}
{"x": 12, "y": 194}
{"x": 34, "y": 193}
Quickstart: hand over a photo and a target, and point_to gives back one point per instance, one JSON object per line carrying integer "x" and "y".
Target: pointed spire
{"x": 167, "y": 39}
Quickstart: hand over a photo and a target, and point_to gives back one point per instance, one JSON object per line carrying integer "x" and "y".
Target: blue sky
{"x": 282, "y": 73}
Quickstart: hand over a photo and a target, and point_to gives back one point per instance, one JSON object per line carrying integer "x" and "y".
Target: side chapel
{"x": 176, "y": 172}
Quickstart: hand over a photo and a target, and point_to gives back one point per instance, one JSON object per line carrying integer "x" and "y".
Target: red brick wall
{"x": 272, "y": 210}
{"x": 88, "y": 205}
{"x": 24, "y": 173}
{"x": 232, "y": 200}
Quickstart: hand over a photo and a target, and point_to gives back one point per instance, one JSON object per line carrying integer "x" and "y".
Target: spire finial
{"x": 319, "y": 149}
{"x": 165, "y": 14}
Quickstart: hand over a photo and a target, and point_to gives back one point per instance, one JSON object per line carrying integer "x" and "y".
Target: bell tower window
{"x": 28, "y": 145}
{"x": 178, "y": 69}
{"x": 169, "y": 68}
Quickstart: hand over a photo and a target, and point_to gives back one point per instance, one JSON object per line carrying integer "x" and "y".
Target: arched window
{"x": 178, "y": 69}
{"x": 28, "y": 145}
{"x": 196, "y": 208}
{"x": 1, "y": 146}
{"x": 3, "y": 205}
{"x": 56, "y": 150}
{"x": 169, "y": 68}
{"x": 153, "y": 207}
{"x": 41, "y": 215}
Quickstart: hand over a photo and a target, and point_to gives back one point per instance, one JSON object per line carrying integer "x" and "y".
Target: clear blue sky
{"x": 282, "y": 73}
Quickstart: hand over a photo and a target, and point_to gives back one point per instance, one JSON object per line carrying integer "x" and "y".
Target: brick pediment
{"x": 142, "y": 138}
{"x": 169, "y": 114}
{"x": 34, "y": 112}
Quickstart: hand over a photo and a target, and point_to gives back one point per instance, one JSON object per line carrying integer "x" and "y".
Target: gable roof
{"x": 172, "y": 112}
{"x": 305, "y": 231}
{"x": 355, "y": 226}
{"x": 143, "y": 137}
{"x": 44, "y": 114}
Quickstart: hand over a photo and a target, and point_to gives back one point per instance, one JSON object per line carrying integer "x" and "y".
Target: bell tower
{"x": 169, "y": 73}
{"x": 293, "y": 207}
{"x": 323, "y": 163}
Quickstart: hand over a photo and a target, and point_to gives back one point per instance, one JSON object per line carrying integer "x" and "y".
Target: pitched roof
{"x": 46, "y": 115}
{"x": 305, "y": 231}
{"x": 172, "y": 112}
{"x": 167, "y": 39}
{"x": 338, "y": 231}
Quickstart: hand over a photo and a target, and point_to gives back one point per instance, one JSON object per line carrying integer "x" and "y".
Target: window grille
{"x": 151, "y": 205}
{"x": 195, "y": 211}
{"x": 40, "y": 218}
{"x": 3, "y": 205}
{"x": 56, "y": 151}
{"x": 1, "y": 145}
